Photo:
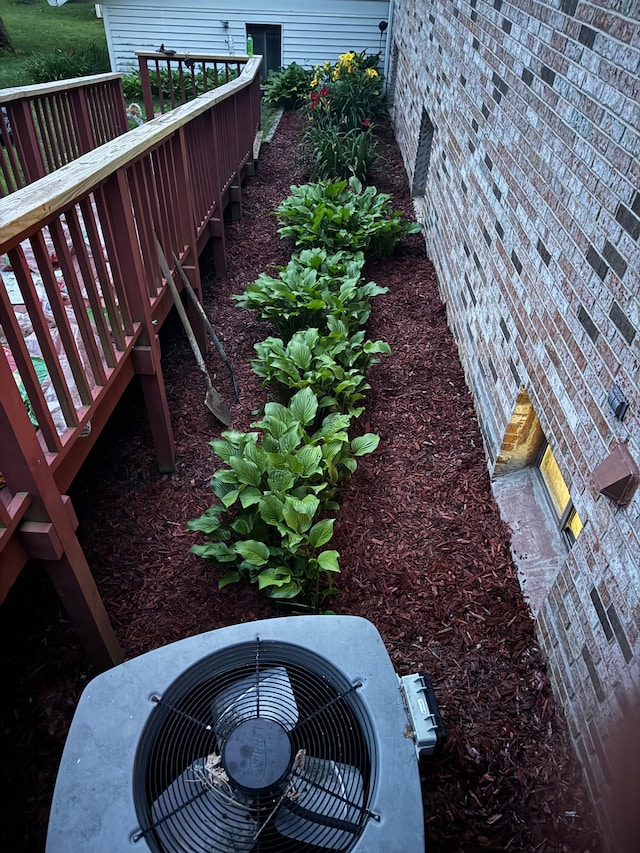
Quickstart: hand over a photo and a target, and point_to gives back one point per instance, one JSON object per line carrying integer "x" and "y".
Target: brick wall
{"x": 531, "y": 207}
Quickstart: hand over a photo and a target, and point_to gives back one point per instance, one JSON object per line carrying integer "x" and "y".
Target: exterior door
{"x": 267, "y": 42}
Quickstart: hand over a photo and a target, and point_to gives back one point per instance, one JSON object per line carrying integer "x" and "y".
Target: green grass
{"x": 268, "y": 114}
{"x": 37, "y": 30}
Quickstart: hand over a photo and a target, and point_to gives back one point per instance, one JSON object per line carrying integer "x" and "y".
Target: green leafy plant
{"x": 337, "y": 459}
{"x": 334, "y": 366}
{"x": 342, "y": 215}
{"x": 268, "y": 526}
{"x": 132, "y": 87}
{"x": 348, "y": 93}
{"x": 289, "y": 87}
{"x": 334, "y": 153}
{"x": 303, "y": 296}
{"x": 339, "y": 264}
{"x": 64, "y": 63}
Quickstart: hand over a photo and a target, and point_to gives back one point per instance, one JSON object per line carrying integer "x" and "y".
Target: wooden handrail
{"x": 15, "y": 93}
{"x": 198, "y": 57}
{"x": 47, "y": 126}
{"x": 35, "y": 205}
{"x": 94, "y": 221}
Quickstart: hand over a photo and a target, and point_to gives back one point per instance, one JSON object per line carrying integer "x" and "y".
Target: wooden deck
{"x": 79, "y": 238}
{"x": 44, "y": 127}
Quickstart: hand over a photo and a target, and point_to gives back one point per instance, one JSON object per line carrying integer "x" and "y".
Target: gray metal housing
{"x": 93, "y": 808}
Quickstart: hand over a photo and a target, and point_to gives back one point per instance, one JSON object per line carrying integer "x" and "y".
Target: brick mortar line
{"x": 480, "y": 141}
{"x": 553, "y": 11}
{"x": 634, "y": 128}
{"x": 511, "y": 304}
{"x": 558, "y": 159}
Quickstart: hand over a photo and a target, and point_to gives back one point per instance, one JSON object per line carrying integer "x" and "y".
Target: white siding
{"x": 311, "y": 32}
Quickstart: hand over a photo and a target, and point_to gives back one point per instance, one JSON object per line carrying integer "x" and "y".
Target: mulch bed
{"x": 424, "y": 555}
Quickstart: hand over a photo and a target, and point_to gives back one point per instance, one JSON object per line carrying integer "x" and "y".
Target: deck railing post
{"x": 216, "y": 223}
{"x": 118, "y": 108}
{"x": 9, "y": 162}
{"x": 118, "y": 201}
{"x": 145, "y": 82}
{"x": 192, "y": 269}
{"x": 26, "y": 140}
{"x": 47, "y": 530}
{"x": 83, "y": 121}
{"x": 235, "y": 190}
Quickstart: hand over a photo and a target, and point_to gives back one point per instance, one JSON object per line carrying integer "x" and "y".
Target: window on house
{"x": 267, "y": 42}
{"x": 535, "y": 502}
{"x": 568, "y": 519}
{"x": 423, "y": 157}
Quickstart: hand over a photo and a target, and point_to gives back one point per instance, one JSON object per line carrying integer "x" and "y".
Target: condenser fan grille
{"x": 264, "y": 746}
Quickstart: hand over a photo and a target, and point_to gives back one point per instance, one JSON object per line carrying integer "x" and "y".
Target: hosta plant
{"x": 302, "y": 296}
{"x": 341, "y": 215}
{"x": 288, "y": 87}
{"x": 334, "y": 366}
{"x": 269, "y": 524}
{"x": 336, "y": 265}
{"x": 291, "y": 426}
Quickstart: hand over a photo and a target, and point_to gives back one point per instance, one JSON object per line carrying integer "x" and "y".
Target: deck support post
{"x": 218, "y": 245}
{"x": 50, "y": 526}
{"x": 79, "y": 595}
{"x": 155, "y": 400}
{"x": 235, "y": 201}
{"x": 193, "y": 277}
{"x": 192, "y": 269}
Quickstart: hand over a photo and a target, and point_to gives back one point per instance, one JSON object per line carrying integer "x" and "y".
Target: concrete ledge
{"x": 274, "y": 126}
{"x": 537, "y": 546}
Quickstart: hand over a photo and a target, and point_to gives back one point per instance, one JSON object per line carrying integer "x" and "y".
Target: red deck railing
{"x": 169, "y": 80}
{"x": 84, "y": 291}
{"x": 45, "y": 127}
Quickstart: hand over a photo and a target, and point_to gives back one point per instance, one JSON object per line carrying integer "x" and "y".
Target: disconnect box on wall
{"x": 617, "y": 476}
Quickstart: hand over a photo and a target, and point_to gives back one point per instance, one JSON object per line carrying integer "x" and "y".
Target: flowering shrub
{"x": 344, "y": 100}
{"x": 348, "y": 93}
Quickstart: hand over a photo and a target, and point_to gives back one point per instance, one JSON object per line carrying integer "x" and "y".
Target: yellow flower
{"x": 371, "y": 72}
{"x": 336, "y": 74}
{"x": 346, "y": 58}
{"x": 327, "y": 66}
{"x": 314, "y": 83}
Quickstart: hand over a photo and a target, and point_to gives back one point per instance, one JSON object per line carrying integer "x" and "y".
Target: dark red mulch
{"x": 424, "y": 555}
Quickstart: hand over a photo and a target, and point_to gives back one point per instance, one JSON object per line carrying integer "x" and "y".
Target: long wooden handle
{"x": 213, "y": 400}
{"x": 166, "y": 272}
{"x": 206, "y": 322}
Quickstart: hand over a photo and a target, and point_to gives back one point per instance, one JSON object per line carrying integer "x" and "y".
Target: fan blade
{"x": 326, "y": 796}
{"x": 215, "y": 821}
{"x": 268, "y": 694}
